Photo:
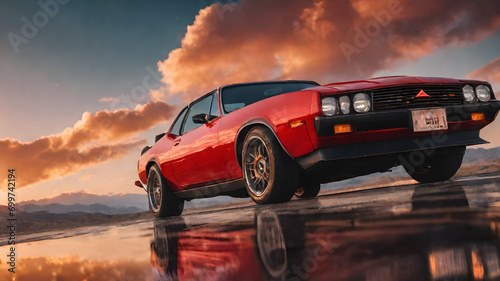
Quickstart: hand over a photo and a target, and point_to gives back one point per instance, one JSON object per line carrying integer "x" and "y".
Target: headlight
{"x": 361, "y": 103}
{"x": 330, "y": 106}
{"x": 469, "y": 95}
{"x": 345, "y": 104}
{"x": 483, "y": 93}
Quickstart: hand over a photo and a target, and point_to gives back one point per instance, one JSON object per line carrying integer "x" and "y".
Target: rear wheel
{"x": 162, "y": 201}
{"x": 308, "y": 190}
{"x": 441, "y": 166}
{"x": 270, "y": 175}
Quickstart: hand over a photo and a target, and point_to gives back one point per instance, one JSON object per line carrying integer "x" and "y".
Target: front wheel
{"x": 441, "y": 166}
{"x": 162, "y": 201}
{"x": 270, "y": 174}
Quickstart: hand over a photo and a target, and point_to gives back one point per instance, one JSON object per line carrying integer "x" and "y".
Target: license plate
{"x": 429, "y": 120}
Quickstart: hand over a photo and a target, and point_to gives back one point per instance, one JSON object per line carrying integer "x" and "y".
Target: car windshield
{"x": 238, "y": 96}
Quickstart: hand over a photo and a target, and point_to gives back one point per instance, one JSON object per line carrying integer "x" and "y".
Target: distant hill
{"x": 138, "y": 201}
{"x": 92, "y": 208}
{"x": 78, "y": 209}
{"x": 474, "y": 155}
{"x": 42, "y": 221}
{"x": 476, "y": 161}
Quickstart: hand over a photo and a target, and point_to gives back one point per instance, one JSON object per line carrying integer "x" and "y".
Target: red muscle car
{"x": 271, "y": 140}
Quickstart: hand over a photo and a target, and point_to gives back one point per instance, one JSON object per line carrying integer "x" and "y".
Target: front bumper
{"x": 389, "y": 132}
{"x": 399, "y": 118}
{"x": 393, "y": 146}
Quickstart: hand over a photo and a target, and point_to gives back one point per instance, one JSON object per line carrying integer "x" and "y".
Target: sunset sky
{"x": 86, "y": 84}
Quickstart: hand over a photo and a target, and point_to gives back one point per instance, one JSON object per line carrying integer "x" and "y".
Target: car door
{"x": 195, "y": 156}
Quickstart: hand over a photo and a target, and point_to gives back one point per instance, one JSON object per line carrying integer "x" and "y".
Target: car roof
{"x": 272, "y": 81}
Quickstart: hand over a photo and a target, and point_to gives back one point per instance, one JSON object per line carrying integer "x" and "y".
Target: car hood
{"x": 382, "y": 82}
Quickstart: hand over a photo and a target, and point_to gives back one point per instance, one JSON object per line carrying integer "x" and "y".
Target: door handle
{"x": 176, "y": 142}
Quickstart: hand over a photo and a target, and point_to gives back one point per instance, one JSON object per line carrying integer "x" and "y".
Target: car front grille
{"x": 405, "y": 96}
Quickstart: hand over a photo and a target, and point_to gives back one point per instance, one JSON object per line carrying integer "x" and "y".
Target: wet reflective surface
{"x": 446, "y": 231}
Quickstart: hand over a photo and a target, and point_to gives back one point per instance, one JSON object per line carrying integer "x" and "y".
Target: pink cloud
{"x": 94, "y": 139}
{"x": 318, "y": 40}
{"x": 110, "y": 99}
{"x": 490, "y": 72}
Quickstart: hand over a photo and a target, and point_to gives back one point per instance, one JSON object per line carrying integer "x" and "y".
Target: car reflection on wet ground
{"x": 435, "y": 234}
{"x": 445, "y": 231}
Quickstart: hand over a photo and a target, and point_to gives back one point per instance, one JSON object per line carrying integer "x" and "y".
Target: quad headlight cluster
{"x": 331, "y": 106}
{"x": 480, "y": 92}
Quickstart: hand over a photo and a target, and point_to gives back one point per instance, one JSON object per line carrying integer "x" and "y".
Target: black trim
{"x": 158, "y": 137}
{"x": 202, "y": 97}
{"x": 394, "y": 146}
{"x": 175, "y": 121}
{"x": 211, "y": 190}
{"x": 398, "y": 118}
{"x": 146, "y": 148}
{"x": 404, "y": 96}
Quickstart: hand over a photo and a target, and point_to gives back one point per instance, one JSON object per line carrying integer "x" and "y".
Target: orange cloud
{"x": 489, "y": 72}
{"x": 94, "y": 139}
{"x": 110, "y": 99}
{"x": 85, "y": 177}
{"x": 319, "y": 40}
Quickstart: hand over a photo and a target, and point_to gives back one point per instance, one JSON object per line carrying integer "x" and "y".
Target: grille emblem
{"x": 422, "y": 94}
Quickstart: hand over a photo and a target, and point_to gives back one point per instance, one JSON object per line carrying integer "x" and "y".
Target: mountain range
{"x": 136, "y": 203}
{"x": 92, "y": 208}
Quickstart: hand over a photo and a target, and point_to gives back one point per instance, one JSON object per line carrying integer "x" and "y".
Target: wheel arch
{"x": 150, "y": 164}
{"x": 240, "y": 137}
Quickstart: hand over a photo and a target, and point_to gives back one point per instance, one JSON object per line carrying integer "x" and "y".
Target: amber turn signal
{"x": 343, "y": 128}
{"x": 296, "y": 123}
{"x": 477, "y": 116}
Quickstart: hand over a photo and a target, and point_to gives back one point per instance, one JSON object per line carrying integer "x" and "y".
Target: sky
{"x": 85, "y": 84}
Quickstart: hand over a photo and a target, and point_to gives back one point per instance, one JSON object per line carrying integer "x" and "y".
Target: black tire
{"x": 270, "y": 174}
{"x": 308, "y": 190}
{"x": 162, "y": 201}
{"x": 440, "y": 166}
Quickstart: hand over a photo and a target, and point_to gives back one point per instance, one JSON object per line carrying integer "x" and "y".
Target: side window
{"x": 214, "y": 110}
{"x": 202, "y": 106}
{"x": 176, "y": 128}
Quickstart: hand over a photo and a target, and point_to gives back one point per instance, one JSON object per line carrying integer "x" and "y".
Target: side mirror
{"x": 200, "y": 118}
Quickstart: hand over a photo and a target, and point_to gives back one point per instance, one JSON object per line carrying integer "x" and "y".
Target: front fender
{"x": 274, "y": 113}
{"x": 278, "y": 114}
{"x": 240, "y": 136}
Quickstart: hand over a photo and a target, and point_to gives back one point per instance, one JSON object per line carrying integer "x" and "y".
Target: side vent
{"x": 158, "y": 137}
{"x": 146, "y": 148}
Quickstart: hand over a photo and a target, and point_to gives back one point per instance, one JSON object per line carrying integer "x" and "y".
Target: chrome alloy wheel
{"x": 154, "y": 192}
{"x": 257, "y": 166}
{"x": 271, "y": 244}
